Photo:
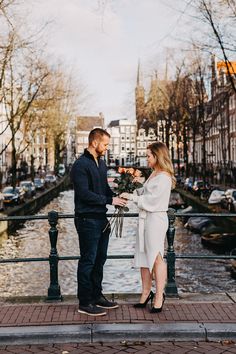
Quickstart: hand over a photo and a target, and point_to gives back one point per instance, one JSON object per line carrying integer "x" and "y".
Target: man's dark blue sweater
{"x": 92, "y": 191}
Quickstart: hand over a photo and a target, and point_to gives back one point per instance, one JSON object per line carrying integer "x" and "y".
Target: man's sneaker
{"x": 91, "y": 310}
{"x": 106, "y": 304}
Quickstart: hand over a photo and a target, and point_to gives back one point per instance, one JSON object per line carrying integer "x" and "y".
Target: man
{"x": 92, "y": 193}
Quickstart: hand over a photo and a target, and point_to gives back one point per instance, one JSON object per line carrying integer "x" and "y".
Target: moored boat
{"x": 176, "y": 201}
{"x": 223, "y": 240}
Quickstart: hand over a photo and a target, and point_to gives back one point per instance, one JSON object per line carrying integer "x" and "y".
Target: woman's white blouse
{"x": 155, "y": 194}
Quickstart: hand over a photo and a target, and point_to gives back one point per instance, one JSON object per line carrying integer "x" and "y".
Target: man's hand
{"x": 128, "y": 196}
{"x": 119, "y": 201}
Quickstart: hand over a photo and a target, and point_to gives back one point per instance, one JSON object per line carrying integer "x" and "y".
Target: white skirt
{"x": 155, "y": 228}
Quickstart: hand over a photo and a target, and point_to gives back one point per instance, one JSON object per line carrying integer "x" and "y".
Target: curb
{"x": 93, "y": 333}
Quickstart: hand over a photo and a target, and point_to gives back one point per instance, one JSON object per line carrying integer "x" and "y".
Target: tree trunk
{"x": 185, "y": 144}
{"x": 32, "y": 170}
{"x": 194, "y": 161}
{"x": 204, "y": 152}
{"x": 13, "y": 164}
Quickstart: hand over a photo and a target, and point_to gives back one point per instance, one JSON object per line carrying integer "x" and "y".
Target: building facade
{"x": 144, "y": 138}
{"x": 84, "y": 124}
{"x": 122, "y": 150}
{"x": 220, "y": 127}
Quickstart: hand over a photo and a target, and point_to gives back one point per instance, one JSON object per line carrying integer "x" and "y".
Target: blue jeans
{"x": 93, "y": 242}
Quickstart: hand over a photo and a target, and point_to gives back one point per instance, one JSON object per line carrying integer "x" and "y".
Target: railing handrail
{"x": 54, "y": 292}
{"x": 60, "y": 216}
{"x": 126, "y": 215}
{"x": 112, "y": 256}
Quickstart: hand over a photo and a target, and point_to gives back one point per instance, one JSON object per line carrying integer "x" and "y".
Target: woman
{"x": 153, "y": 200}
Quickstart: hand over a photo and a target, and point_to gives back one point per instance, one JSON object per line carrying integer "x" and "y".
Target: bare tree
{"x": 197, "y": 106}
{"x": 220, "y": 18}
{"x": 23, "y": 79}
{"x": 59, "y": 108}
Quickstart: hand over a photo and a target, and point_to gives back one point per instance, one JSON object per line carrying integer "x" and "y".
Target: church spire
{"x": 138, "y": 74}
{"x": 139, "y": 98}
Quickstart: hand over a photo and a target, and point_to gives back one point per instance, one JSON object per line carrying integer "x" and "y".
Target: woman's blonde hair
{"x": 160, "y": 151}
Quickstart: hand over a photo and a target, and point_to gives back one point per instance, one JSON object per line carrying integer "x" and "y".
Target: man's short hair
{"x": 97, "y": 134}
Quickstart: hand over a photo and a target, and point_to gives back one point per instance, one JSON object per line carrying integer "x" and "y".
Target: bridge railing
{"x": 54, "y": 291}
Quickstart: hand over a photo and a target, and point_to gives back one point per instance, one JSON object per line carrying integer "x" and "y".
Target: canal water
{"x": 20, "y": 279}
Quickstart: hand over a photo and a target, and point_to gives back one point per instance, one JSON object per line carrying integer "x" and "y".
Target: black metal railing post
{"x": 54, "y": 291}
{"x": 171, "y": 288}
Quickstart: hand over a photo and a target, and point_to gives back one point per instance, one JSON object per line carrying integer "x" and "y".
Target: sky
{"x": 102, "y": 42}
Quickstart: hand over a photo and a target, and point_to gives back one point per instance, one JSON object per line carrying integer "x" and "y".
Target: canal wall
{"x": 229, "y": 223}
{"x": 33, "y": 205}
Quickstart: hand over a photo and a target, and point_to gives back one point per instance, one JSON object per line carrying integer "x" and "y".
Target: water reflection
{"x": 120, "y": 276}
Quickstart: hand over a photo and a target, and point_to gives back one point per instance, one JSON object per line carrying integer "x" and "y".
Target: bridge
{"x": 54, "y": 319}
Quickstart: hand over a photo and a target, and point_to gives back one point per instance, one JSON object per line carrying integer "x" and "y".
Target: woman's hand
{"x": 128, "y": 196}
{"x": 119, "y": 201}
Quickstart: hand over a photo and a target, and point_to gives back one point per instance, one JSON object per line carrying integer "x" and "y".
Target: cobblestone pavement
{"x": 132, "y": 347}
{"x": 46, "y": 314}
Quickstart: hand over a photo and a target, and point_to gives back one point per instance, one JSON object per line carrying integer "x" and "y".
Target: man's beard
{"x": 99, "y": 152}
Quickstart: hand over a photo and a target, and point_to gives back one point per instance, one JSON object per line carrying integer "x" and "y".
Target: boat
{"x": 233, "y": 269}
{"x": 216, "y": 197}
{"x": 188, "y": 209}
{"x": 176, "y": 201}
{"x": 223, "y": 240}
{"x": 198, "y": 224}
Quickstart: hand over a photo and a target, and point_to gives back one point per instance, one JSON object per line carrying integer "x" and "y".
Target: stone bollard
{"x": 171, "y": 288}
{"x": 54, "y": 291}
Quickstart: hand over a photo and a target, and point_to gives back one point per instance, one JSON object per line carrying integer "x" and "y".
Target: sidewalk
{"x": 192, "y": 318}
{"x": 125, "y": 347}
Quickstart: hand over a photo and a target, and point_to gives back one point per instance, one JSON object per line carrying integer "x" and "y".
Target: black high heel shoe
{"x": 158, "y": 309}
{"x": 143, "y": 304}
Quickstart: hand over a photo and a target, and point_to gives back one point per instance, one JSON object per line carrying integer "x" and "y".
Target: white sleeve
{"x": 157, "y": 196}
{"x": 139, "y": 191}
{"x": 136, "y": 193}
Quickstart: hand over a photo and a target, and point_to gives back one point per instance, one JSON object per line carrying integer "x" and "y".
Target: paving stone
{"x": 217, "y": 319}
{"x": 164, "y": 347}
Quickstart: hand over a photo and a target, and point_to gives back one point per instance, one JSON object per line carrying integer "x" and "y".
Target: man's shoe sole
{"x": 92, "y": 314}
{"x": 108, "y": 307}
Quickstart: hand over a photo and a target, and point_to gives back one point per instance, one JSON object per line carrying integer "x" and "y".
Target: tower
{"x": 139, "y": 99}
{"x": 153, "y": 99}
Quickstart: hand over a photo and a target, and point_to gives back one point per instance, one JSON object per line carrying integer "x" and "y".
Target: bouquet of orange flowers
{"x": 128, "y": 181}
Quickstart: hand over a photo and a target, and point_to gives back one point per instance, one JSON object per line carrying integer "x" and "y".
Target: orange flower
{"x": 130, "y": 171}
{"x": 121, "y": 170}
